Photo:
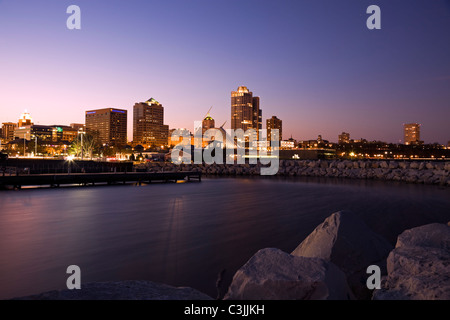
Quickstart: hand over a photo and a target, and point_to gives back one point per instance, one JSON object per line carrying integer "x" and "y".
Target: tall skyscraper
{"x": 344, "y": 137}
{"x": 274, "y": 123}
{"x": 412, "y": 133}
{"x": 148, "y": 124}
{"x": 245, "y": 110}
{"x": 108, "y": 125}
{"x": 8, "y": 129}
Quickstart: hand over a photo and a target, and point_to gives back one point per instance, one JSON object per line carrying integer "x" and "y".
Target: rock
{"x": 272, "y": 274}
{"x": 435, "y": 235}
{"x": 447, "y": 166}
{"x": 346, "y": 241}
{"x": 384, "y": 165}
{"x": 419, "y": 266}
{"x": 123, "y": 290}
{"x": 403, "y": 165}
{"x": 414, "y": 165}
{"x": 324, "y": 164}
{"x": 393, "y": 165}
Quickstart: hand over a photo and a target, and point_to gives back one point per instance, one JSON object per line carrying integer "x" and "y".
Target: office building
{"x": 42, "y": 133}
{"x": 78, "y": 126}
{"x": 25, "y": 120}
{"x": 108, "y": 126}
{"x": 8, "y": 129}
{"x": 245, "y": 110}
{"x": 208, "y": 123}
{"x": 148, "y": 124}
{"x": 274, "y": 123}
{"x": 411, "y": 133}
{"x": 344, "y": 137}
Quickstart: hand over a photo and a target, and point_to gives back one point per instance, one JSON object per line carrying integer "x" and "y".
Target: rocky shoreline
{"x": 330, "y": 264}
{"x": 421, "y": 172}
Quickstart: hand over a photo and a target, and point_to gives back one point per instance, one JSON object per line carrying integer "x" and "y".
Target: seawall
{"x": 417, "y": 171}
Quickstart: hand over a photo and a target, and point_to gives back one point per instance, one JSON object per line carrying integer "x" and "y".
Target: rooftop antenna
{"x": 221, "y": 127}
{"x": 207, "y": 112}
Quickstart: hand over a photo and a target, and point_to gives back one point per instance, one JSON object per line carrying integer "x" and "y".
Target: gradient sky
{"x": 313, "y": 63}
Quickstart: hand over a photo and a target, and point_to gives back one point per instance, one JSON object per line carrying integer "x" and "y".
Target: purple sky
{"x": 314, "y": 63}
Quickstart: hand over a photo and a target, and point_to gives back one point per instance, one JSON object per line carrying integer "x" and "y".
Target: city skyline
{"x": 133, "y": 128}
{"x": 314, "y": 65}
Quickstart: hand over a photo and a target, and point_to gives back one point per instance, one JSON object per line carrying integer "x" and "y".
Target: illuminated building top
{"x": 242, "y": 89}
{"x": 25, "y": 119}
{"x": 152, "y": 101}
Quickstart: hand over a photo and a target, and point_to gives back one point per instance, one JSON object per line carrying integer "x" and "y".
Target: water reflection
{"x": 185, "y": 234}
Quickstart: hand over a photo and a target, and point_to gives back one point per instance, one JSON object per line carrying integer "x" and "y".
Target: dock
{"x": 84, "y": 179}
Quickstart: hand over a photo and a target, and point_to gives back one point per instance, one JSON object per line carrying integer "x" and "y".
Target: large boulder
{"x": 419, "y": 266}
{"x": 345, "y": 240}
{"x": 272, "y": 274}
{"x": 123, "y": 290}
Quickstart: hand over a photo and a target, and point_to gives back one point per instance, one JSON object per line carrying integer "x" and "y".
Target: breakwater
{"x": 416, "y": 171}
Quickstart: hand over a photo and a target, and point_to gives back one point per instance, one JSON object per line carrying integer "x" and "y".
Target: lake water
{"x": 185, "y": 234}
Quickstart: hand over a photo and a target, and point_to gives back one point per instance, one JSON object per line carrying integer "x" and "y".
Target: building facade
{"x": 78, "y": 126}
{"x": 148, "y": 124}
{"x": 411, "y": 132}
{"x": 274, "y": 123}
{"x": 344, "y": 137}
{"x": 108, "y": 126}
{"x": 8, "y": 129}
{"x": 42, "y": 133}
{"x": 245, "y": 110}
{"x": 208, "y": 123}
{"x": 25, "y": 120}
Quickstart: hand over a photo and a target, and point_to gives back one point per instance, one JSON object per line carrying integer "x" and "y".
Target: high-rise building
{"x": 108, "y": 126}
{"x": 344, "y": 137}
{"x": 8, "y": 129}
{"x": 208, "y": 123}
{"x": 274, "y": 123}
{"x": 245, "y": 110}
{"x": 412, "y": 133}
{"x": 148, "y": 124}
{"x": 25, "y": 119}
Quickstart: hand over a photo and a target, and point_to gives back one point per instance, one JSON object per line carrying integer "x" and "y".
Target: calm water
{"x": 185, "y": 234}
